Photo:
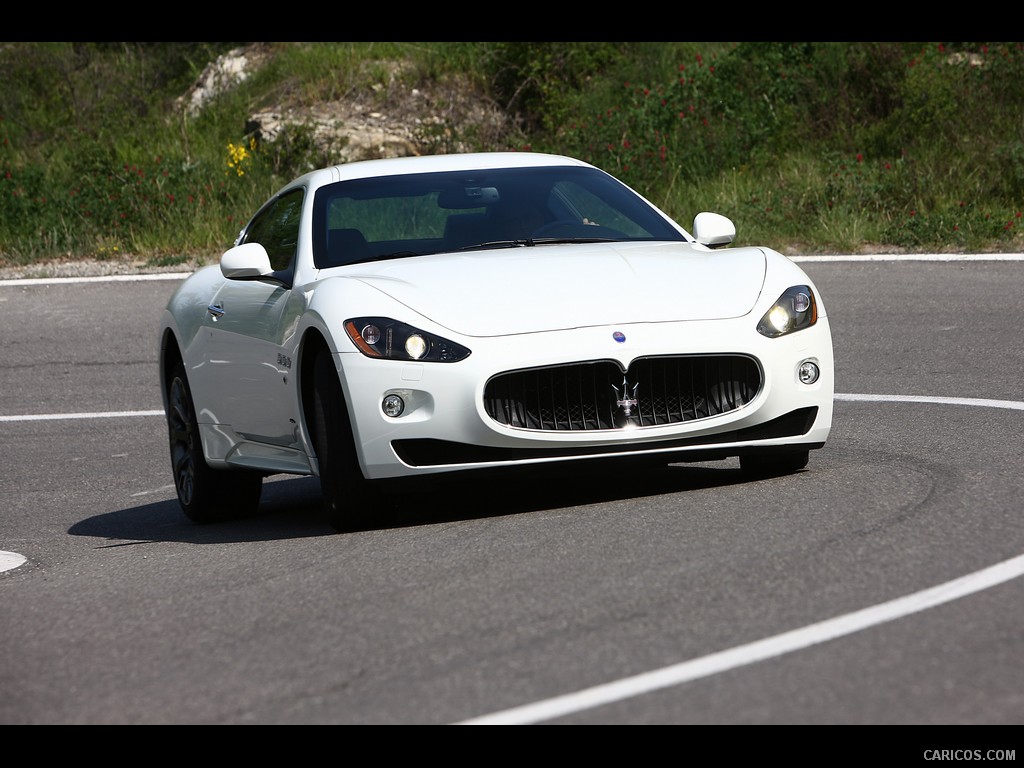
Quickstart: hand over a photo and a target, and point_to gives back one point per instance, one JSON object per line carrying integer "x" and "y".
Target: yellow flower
{"x": 237, "y": 155}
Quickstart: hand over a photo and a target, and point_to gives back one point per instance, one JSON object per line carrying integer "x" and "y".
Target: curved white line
{"x": 22, "y": 281}
{"x": 723, "y": 660}
{"x": 779, "y": 644}
{"x": 10, "y": 560}
{"x": 1011, "y": 404}
{"x": 757, "y": 651}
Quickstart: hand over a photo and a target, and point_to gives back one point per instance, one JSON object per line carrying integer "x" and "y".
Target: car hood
{"x": 552, "y": 287}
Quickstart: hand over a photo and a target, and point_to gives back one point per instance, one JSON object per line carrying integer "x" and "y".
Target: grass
{"x": 808, "y": 147}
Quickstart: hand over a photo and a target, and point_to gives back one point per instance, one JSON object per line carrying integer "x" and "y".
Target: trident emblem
{"x": 625, "y": 398}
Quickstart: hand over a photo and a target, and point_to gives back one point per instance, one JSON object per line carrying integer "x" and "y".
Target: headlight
{"x": 389, "y": 339}
{"x": 795, "y": 310}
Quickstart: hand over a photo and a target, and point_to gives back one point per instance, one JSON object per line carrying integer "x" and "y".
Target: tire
{"x": 349, "y": 500}
{"x": 770, "y": 464}
{"x": 206, "y": 495}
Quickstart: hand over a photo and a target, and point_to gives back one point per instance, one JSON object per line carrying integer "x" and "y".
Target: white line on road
{"x": 95, "y": 279}
{"x": 1010, "y": 404}
{"x": 895, "y": 257}
{"x": 96, "y": 415}
{"x": 721, "y": 661}
{"x": 778, "y": 645}
{"x": 915, "y": 257}
{"x": 750, "y": 653}
{"x": 10, "y": 560}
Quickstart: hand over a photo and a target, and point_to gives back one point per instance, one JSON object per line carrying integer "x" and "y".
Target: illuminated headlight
{"x": 393, "y": 406}
{"x": 389, "y": 339}
{"x": 416, "y": 346}
{"x": 794, "y": 311}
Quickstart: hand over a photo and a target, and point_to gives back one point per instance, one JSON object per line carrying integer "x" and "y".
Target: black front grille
{"x": 597, "y": 395}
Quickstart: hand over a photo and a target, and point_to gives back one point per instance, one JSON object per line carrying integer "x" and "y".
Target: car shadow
{"x": 291, "y": 508}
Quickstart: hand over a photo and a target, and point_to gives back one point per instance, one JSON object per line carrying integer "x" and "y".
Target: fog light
{"x": 393, "y": 405}
{"x": 808, "y": 372}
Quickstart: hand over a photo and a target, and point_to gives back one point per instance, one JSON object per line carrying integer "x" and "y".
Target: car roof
{"x": 468, "y": 161}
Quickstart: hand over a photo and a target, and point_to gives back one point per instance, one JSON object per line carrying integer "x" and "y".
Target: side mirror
{"x": 246, "y": 261}
{"x": 713, "y": 229}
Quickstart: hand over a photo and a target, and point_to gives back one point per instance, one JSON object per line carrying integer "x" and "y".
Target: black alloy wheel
{"x": 205, "y": 494}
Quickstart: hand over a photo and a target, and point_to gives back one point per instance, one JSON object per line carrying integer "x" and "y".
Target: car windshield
{"x": 417, "y": 214}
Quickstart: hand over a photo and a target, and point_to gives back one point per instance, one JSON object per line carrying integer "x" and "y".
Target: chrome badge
{"x": 625, "y": 401}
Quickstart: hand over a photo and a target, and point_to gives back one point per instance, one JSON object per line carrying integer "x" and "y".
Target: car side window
{"x": 276, "y": 228}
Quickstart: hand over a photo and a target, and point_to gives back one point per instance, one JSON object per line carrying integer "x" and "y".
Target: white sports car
{"x": 408, "y": 317}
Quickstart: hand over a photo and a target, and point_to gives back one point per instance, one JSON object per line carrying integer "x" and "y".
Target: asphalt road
{"x": 879, "y": 586}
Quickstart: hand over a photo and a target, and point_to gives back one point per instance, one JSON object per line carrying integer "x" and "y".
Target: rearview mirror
{"x": 713, "y": 229}
{"x": 459, "y": 198}
{"x": 248, "y": 260}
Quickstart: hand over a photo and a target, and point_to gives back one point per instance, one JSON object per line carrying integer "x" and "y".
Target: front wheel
{"x": 206, "y": 495}
{"x": 349, "y": 501}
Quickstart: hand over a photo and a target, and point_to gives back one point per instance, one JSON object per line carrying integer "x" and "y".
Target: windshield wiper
{"x": 386, "y": 256}
{"x": 550, "y": 240}
{"x": 498, "y": 244}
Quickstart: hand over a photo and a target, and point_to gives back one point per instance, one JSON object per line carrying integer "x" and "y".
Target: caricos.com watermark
{"x": 970, "y": 754}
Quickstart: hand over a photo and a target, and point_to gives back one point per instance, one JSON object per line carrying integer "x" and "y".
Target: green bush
{"x": 808, "y": 146}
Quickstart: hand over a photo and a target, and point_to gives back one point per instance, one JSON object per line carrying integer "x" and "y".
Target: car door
{"x": 250, "y": 347}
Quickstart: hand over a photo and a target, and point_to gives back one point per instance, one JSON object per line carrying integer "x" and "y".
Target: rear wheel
{"x": 205, "y": 494}
{"x": 782, "y": 463}
{"x": 349, "y": 500}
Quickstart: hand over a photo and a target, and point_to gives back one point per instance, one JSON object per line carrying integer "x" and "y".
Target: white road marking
{"x": 162, "y": 489}
{"x": 23, "y": 281}
{"x": 95, "y": 279}
{"x": 722, "y": 661}
{"x": 1011, "y": 404}
{"x": 760, "y": 650}
{"x": 916, "y": 257}
{"x": 10, "y": 560}
{"x": 778, "y": 645}
{"x": 97, "y": 415}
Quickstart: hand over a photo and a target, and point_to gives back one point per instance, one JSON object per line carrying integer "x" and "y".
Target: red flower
{"x": 860, "y": 158}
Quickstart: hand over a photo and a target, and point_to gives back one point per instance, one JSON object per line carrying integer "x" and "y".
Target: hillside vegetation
{"x": 809, "y": 147}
